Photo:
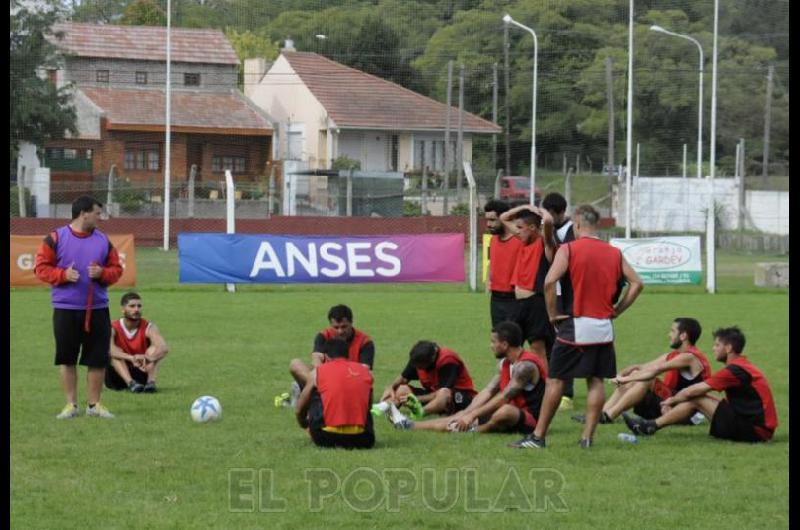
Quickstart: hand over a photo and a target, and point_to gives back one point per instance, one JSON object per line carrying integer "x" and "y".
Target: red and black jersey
{"x": 747, "y": 391}
{"x": 592, "y": 283}
{"x": 360, "y": 347}
{"x": 343, "y": 392}
{"x": 531, "y": 267}
{"x": 532, "y": 395}
{"x": 673, "y": 379}
{"x": 503, "y": 259}
{"x": 132, "y": 342}
{"x": 446, "y": 358}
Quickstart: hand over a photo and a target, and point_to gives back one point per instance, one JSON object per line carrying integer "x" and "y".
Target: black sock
{"x": 91, "y": 405}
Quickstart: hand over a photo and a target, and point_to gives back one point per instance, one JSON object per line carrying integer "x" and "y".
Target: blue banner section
{"x": 240, "y": 258}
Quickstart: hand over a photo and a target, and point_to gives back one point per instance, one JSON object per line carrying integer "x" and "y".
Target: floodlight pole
{"x": 629, "y": 140}
{"x": 508, "y": 20}
{"x": 711, "y": 276}
{"x": 167, "y": 128}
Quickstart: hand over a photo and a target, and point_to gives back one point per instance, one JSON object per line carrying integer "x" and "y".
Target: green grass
{"x": 152, "y": 467}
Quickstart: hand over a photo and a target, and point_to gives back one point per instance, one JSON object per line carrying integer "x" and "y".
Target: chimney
{"x": 254, "y": 71}
{"x": 288, "y": 46}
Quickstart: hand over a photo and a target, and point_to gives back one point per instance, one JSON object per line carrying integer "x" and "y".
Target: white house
{"x": 322, "y": 110}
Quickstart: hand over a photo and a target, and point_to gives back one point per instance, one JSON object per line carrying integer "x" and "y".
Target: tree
{"x": 144, "y": 13}
{"x": 39, "y": 110}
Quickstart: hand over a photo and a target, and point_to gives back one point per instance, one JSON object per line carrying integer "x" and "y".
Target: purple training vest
{"x": 82, "y": 251}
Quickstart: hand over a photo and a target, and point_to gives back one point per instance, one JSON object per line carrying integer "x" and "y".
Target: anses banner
{"x": 23, "y": 258}
{"x": 240, "y": 258}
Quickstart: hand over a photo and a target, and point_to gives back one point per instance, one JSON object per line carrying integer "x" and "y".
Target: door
{"x": 194, "y": 155}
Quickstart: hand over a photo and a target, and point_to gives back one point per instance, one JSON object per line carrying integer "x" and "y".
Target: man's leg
{"x": 440, "y": 403}
{"x": 300, "y": 372}
{"x": 121, "y": 368}
{"x": 152, "y": 370}
{"x": 94, "y": 381}
{"x": 538, "y": 347}
{"x": 594, "y": 405}
{"x": 552, "y": 397}
{"x": 683, "y": 411}
{"x": 438, "y": 424}
{"x": 627, "y": 396}
{"x": 503, "y": 419}
{"x": 69, "y": 382}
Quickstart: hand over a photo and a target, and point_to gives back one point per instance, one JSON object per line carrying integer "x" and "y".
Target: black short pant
{"x": 460, "y": 401}
{"x": 535, "y": 323}
{"x": 365, "y": 440}
{"x": 115, "y": 382}
{"x": 728, "y": 425}
{"x": 503, "y": 307}
{"x": 71, "y": 339}
{"x": 569, "y": 361}
{"x": 649, "y": 408}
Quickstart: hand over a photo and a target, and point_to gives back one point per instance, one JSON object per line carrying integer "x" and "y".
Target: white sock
{"x": 395, "y": 415}
{"x": 383, "y": 406}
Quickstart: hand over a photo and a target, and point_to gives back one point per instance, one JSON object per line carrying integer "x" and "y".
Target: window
{"x": 235, "y": 163}
{"x": 102, "y": 76}
{"x": 141, "y": 78}
{"x": 142, "y": 157}
{"x": 394, "y": 153}
{"x": 70, "y": 154}
{"x": 191, "y": 79}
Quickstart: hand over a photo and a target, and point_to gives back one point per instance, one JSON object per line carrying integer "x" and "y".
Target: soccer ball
{"x": 206, "y": 408}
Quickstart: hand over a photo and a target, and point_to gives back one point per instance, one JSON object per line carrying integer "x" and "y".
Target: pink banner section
{"x": 240, "y": 258}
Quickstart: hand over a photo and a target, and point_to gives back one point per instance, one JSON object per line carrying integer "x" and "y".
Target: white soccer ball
{"x": 206, "y": 408}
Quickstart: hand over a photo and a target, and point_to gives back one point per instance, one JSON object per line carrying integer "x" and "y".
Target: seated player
{"x": 747, "y": 414}
{"x": 137, "y": 349}
{"x": 638, "y": 386}
{"x": 446, "y": 384}
{"x": 511, "y": 400}
{"x": 360, "y": 349}
{"x": 334, "y": 404}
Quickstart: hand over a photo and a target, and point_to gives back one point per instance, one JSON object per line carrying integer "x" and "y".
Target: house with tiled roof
{"x": 119, "y": 75}
{"x": 324, "y": 110}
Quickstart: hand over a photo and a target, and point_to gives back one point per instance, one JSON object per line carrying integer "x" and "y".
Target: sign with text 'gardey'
{"x": 239, "y": 258}
{"x": 664, "y": 260}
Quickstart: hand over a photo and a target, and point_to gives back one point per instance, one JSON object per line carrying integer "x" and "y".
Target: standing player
{"x": 530, "y": 270}
{"x": 334, "y": 404}
{"x": 80, "y": 263}
{"x": 747, "y": 414}
{"x": 511, "y": 400}
{"x": 503, "y": 249}
{"x": 446, "y": 384}
{"x": 137, "y": 349}
{"x": 556, "y": 205}
{"x": 590, "y": 270}
{"x": 638, "y": 386}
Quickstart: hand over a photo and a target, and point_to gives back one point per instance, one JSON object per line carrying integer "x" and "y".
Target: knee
{"x": 295, "y": 365}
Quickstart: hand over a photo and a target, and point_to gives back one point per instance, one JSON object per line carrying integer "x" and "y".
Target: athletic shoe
{"x": 98, "y": 411}
{"x": 295, "y": 394}
{"x": 70, "y": 410}
{"x": 581, "y": 418}
{"x": 415, "y": 407}
{"x": 566, "y": 403}
{"x": 585, "y": 443}
{"x": 529, "y": 442}
{"x": 135, "y": 386}
{"x": 380, "y": 409}
{"x": 282, "y": 400}
{"x": 404, "y": 425}
{"x": 150, "y": 387}
{"x": 640, "y": 425}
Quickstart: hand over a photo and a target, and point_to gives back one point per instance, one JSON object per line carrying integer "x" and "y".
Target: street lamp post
{"x": 508, "y": 20}
{"x": 659, "y": 29}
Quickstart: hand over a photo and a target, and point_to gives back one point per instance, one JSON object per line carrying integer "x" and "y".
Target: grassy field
{"x": 152, "y": 467}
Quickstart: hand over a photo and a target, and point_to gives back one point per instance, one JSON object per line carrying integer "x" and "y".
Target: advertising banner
{"x": 664, "y": 260}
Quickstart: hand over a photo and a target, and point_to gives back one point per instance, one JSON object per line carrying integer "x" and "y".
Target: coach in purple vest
{"x": 80, "y": 263}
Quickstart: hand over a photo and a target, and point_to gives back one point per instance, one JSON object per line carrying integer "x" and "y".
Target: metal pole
{"x": 637, "y": 159}
{"x": 460, "y": 137}
{"x": 424, "y": 195}
{"x": 349, "y": 205}
{"x": 629, "y": 140}
{"x": 168, "y": 132}
{"x": 610, "y": 96}
{"x": 447, "y": 151}
{"x": 230, "y": 195}
{"x": 684, "y": 160}
{"x": 767, "y": 118}
{"x": 711, "y": 277}
{"x": 21, "y": 192}
{"x": 494, "y": 115}
{"x": 192, "y": 176}
{"x": 507, "y": 76}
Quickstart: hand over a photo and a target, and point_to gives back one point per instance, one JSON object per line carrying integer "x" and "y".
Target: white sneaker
{"x": 295, "y": 394}
{"x": 698, "y": 418}
{"x": 70, "y": 410}
{"x": 99, "y": 411}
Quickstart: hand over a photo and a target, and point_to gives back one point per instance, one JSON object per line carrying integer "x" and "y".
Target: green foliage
{"x": 39, "y": 110}
{"x": 250, "y": 44}
{"x": 14, "y": 201}
{"x": 411, "y": 209}
{"x": 461, "y": 208}
{"x": 129, "y": 197}
{"x": 344, "y": 163}
{"x": 143, "y": 13}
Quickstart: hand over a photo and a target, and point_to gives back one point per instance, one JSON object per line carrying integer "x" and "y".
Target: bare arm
{"x": 525, "y": 373}
{"x": 650, "y": 370}
{"x": 696, "y": 390}
{"x": 557, "y": 270}
{"x": 549, "y": 234}
{"x": 116, "y": 352}
{"x": 507, "y": 218}
{"x": 389, "y": 392}
{"x": 635, "y": 287}
{"x": 158, "y": 346}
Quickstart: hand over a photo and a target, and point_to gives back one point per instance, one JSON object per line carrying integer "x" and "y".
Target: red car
{"x": 513, "y": 188}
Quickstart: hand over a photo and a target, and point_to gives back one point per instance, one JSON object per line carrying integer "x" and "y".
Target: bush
{"x": 14, "y": 202}
{"x": 411, "y": 209}
{"x": 345, "y": 163}
{"x": 130, "y": 199}
{"x": 461, "y": 208}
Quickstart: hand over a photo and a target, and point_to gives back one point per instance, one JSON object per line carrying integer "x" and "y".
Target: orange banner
{"x": 23, "y": 257}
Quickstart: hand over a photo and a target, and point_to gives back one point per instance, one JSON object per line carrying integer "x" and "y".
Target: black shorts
{"x": 71, "y": 339}
{"x": 649, "y": 408}
{"x": 728, "y": 425}
{"x": 460, "y": 401}
{"x": 502, "y": 307}
{"x": 365, "y": 440}
{"x": 569, "y": 361}
{"x": 115, "y": 382}
{"x": 535, "y": 323}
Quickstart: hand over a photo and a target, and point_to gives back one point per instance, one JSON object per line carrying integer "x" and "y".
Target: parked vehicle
{"x": 513, "y": 188}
